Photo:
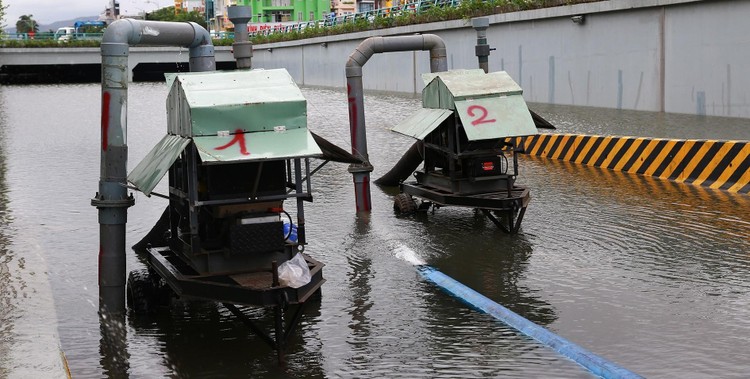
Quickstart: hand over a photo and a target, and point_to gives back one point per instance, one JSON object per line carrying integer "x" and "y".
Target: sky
{"x": 49, "y": 11}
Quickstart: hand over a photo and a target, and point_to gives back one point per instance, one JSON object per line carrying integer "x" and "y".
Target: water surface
{"x": 650, "y": 274}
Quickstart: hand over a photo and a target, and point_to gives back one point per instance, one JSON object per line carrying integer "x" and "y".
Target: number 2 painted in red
{"x": 482, "y": 119}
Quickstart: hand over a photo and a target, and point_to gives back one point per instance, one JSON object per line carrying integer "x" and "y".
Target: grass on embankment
{"x": 466, "y": 10}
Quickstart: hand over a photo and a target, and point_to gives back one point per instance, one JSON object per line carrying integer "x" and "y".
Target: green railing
{"x": 415, "y": 7}
{"x": 50, "y": 36}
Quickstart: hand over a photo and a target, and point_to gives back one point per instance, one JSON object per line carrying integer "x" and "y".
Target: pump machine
{"x": 238, "y": 156}
{"x": 466, "y": 129}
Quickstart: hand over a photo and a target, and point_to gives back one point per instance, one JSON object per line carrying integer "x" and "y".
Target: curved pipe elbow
{"x": 432, "y": 41}
{"x": 202, "y": 36}
{"x": 373, "y": 45}
{"x": 361, "y": 54}
{"x": 122, "y": 31}
{"x": 160, "y": 33}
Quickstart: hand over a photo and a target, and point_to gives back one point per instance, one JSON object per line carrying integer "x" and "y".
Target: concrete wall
{"x": 92, "y": 55}
{"x": 682, "y": 56}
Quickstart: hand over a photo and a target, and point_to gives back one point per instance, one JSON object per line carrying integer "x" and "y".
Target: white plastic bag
{"x": 294, "y": 272}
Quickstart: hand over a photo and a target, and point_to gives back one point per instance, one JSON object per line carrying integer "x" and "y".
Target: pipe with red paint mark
{"x": 105, "y": 120}
{"x": 357, "y": 59}
{"x": 112, "y": 199}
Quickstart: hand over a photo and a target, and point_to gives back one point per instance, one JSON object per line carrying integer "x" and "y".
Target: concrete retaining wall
{"x": 682, "y": 56}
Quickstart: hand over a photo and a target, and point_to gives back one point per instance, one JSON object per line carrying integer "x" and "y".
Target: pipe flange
{"x": 363, "y": 167}
{"x": 104, "y": 203}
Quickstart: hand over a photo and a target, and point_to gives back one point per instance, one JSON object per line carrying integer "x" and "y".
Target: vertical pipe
{"x": 360, "y": 172}
{"x": 482, "y": 49}
{"x": 112, "y": 199}
{"x": 301, "y": 239}
{"x": 242, "y": 47}
{"x": 354, "y": 87}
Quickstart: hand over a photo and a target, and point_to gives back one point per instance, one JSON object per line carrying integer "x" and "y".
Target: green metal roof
{"x": 495, "y": 117}
{"x": 210, "y": 103}
{"x": 489, "y": 106}
{"x": 147, "y": 174}
{"x": 421, "y": 123}
{"x": 475, "y": 83}
{"x": 429, "y": 76}
{"x": 294, "y": 143}
{"x": 291, "y": 143}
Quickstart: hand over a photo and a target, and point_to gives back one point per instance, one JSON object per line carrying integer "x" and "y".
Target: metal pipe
{"x": 482, "y": 49}
{"x": 597, "y": 365}
{"x": 112, "y": 199}
{"x": 357, "y": 59}
{"x": 242, "y": 47}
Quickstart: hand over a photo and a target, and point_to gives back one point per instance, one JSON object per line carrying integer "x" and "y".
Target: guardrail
{"x": 415, "y": 7}
{"x": 50, "y": 36}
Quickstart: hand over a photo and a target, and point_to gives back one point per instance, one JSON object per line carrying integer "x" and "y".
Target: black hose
{"x": 404, "y": 167}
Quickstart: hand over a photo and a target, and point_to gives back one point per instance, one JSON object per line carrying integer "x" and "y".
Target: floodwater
{"x": 652, "y": 275}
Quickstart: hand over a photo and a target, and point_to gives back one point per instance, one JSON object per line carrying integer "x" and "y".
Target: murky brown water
{"x": 649, "y": 274}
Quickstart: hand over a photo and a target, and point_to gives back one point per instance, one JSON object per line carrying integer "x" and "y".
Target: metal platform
{"x": 243, "y": 288}
{"x": 504, "y": 208}
{"x": 517, "y": 198}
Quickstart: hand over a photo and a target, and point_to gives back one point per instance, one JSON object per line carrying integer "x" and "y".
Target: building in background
{"x": 343, "y": 7}
{"x": 267, "y": 13}
{"x": 111, "y": 12}
{"x": 190, "y": 5}
{"x": 277, "y": 11}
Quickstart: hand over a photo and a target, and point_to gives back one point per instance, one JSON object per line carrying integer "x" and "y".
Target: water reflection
{"x": 204, "y": 339}
{"x": 620, "y": 122}
{"x": 358, "y": 275}
{"x": 640, "y": 271}
{"x": 8, "y": 291}
{"x": 496, "y": 264}
{"x": 113, "y": 346}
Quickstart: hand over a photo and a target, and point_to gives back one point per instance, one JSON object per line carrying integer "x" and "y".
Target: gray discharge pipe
{"x": 112, "y": 200}
{"x": 242, "y": 47}
{"x": 357, "y": 59}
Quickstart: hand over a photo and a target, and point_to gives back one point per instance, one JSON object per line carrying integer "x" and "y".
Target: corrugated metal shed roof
{"x": 464, "y": 84}
{"x": 211, "y": 89}
{"x": 421, "y": 123}
{"x": 495, "y": 117}
{"x": 204, "y": 104}
{"x": 148, "y": 173}
{"x": 292, "y": 143}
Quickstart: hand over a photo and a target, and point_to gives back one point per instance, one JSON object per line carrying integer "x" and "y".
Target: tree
{"x": 92, "y": 29}
{"x": 168, "y": 14}
{"x": 2, "y": 16}
{"x": 26, "y": 24}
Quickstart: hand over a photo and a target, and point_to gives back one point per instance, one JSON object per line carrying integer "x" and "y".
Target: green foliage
{"x": 168, "y": 14}
{"x": 223, "y": 41}
{"x": 2, "y": 16}
{"x": 466, "y": 9}
{"x": 427, "y": 13}
{"x": 161, "y": 14}
{"x": 47, "y": 43}
{"x": 92, "y": 29}
{"x": 26, "y": 24}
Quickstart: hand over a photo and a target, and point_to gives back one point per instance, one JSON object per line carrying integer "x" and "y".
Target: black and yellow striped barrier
{"x": 721, "y": 165}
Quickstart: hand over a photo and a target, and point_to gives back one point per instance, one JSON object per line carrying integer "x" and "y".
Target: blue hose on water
{"x": 597, "y": 365}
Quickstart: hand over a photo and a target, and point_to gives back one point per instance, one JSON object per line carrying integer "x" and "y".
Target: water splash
{"x": 404, "y": 253}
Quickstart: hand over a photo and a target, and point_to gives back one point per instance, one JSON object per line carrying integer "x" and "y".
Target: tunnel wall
{"x": 681, "y": 56}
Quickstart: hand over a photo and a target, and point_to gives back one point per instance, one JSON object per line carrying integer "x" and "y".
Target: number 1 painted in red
{"x": 482, "y": 119}
{"x": 239, "y": 138}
